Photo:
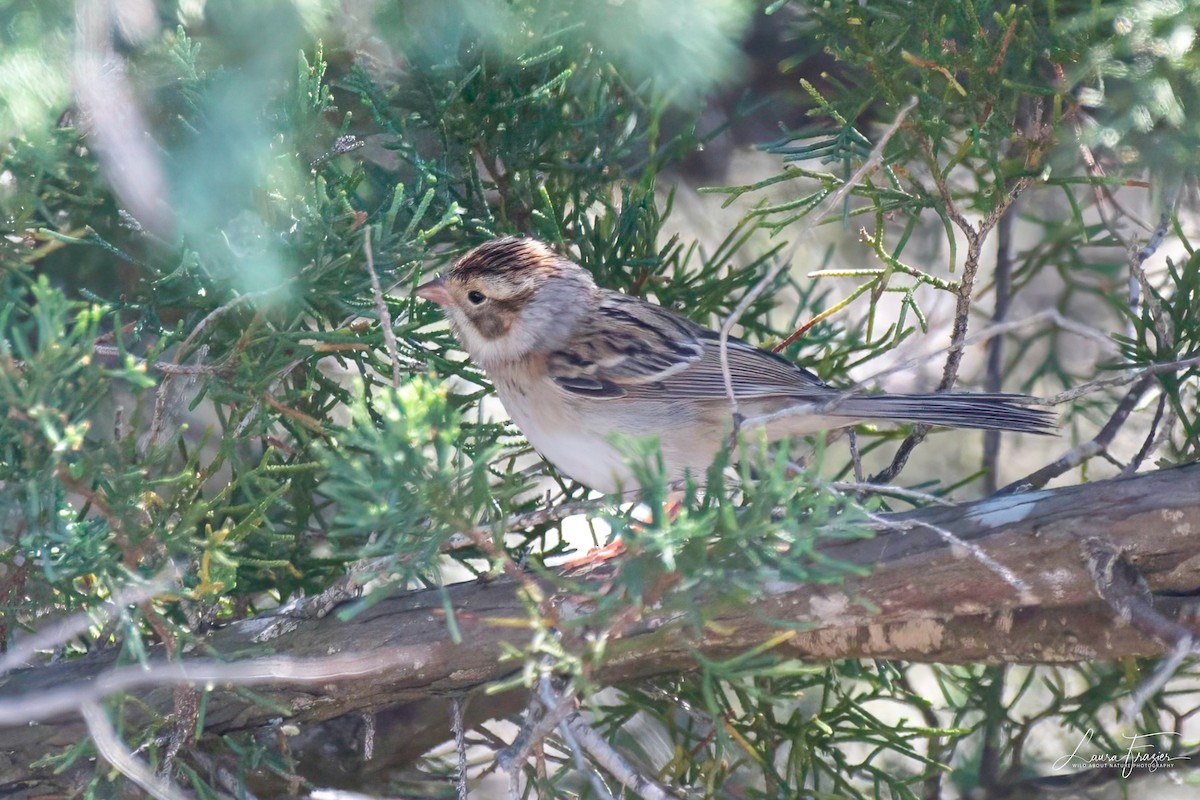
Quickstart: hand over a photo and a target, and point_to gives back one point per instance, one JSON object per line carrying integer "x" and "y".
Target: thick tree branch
{"x": 924, "y": 601}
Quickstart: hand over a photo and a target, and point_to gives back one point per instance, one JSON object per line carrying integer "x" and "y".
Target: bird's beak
{"x": 435, "y": 290}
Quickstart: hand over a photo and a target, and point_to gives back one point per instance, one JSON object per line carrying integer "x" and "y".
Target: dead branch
{"x": 924, "y": 601}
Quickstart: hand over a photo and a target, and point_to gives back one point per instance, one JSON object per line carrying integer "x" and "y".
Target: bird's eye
{"x": 476, "y": 296}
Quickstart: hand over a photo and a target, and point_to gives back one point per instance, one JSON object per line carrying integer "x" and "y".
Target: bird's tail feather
{"x": 1001, "y": 412}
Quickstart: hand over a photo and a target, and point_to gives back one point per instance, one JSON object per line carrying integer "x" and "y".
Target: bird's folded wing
{"x": 632, "y": 348}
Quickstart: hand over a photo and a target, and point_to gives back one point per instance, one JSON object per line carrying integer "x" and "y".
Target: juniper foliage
{"x": 209, "y": 407}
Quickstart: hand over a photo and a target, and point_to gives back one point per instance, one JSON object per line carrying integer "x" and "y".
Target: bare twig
{"x": 165, "y": 367}
{"x": 581, "y": 737}
{"x": 811, "y": 221}
{"x": 1160, "y": 429}
{"x": 385, "y": 318}
{"x": 996, "y": 329}
{"x": 317, "y": 606}
{"x": 23, "y": 649}
{"x": 931, "y": 788}
{"x": 551, "y": 700}
{"x": 972, "y": 549}
{"x": 852, "y": 437}
{"x": 1139, "y": 284}
{"x": 1086, "y": 450}
{"x": 976, "y": 235}
{"x": 1123, "y": 379}
{"x": 900, "y": 459}
{"x": 1095, "y": 446}
{"x": 1138, "y": 288}
{"x": 158, "y": 420}
{"x": 216, "y": 314}
{"x": 995, "y": 347}
{"x": 482, "y": 539}
{"x": 613, "y": 762}
{"x": 966, "y": 285}
{"x": 1119, "y": 584}
{"x": 183, "y": 727}
{"x": 529, "y": 519}
{"x": 894, "y": 491}
{"x": 1049, "y": 316}
{"x": 554, "y": 513}
{"x": 255, "y": 409}
{"x": 1141, "y": 380}
{"x": 65, "y": 699}
{"x": 1102, "y": 194}
{"x": 460, "y": 744}
{"x": 109, "y": 744}
{"x": 368, "y": 737}
{"x": 1157, "y": 236}
{"x": 1165, "y": 670}
{"x": 539, "y": 722}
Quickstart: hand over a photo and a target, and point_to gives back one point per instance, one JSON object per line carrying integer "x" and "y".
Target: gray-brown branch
{"x": 397, "y": 660}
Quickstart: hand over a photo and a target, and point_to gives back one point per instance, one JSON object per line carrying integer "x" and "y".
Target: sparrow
{"x": 575, "y": 365}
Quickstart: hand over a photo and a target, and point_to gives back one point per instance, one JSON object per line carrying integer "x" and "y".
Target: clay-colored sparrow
{"x": 575, "y": 364}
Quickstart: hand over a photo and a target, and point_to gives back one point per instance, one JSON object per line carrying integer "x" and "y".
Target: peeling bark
{"x": 924, "y": 601}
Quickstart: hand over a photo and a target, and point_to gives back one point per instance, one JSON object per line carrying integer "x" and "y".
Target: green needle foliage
{"x": 201, "y": 392}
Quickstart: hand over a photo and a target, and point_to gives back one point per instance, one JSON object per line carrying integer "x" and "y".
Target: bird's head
{"x": 510, "y": 298}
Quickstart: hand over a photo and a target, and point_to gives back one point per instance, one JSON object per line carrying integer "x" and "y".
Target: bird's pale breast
{"x": 576, "y": 434}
